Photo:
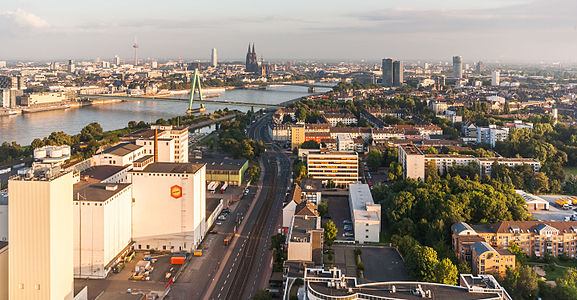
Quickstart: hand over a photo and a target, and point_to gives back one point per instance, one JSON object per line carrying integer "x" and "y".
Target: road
{"x": 238, "y": 270}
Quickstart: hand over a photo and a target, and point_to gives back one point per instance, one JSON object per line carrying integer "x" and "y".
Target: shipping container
{"x": 177, "y": 260}
{"x": 228, "y": 239}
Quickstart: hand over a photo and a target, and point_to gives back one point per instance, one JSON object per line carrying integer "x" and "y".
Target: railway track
{"x": 238, "y": 283}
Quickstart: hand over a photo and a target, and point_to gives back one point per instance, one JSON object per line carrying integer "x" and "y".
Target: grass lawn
{"x": 552, "y": 272}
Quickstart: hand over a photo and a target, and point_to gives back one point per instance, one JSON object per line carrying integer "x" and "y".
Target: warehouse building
{"x": 102, "y": 226}
{"x": 230, "y": 171}
{"x": 169, "y": 209}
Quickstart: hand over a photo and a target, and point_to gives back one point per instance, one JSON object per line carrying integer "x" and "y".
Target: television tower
{"x": 135, "y": 46}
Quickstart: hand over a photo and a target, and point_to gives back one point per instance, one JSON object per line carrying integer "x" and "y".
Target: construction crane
{"x": 195, "y": 84}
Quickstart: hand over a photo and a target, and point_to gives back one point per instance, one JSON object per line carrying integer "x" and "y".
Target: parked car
{"x": 218, "y": 223}
{"x": 348, "y": 222}
{"x": 348, "y": 227}
{"x": 349, "y": 234}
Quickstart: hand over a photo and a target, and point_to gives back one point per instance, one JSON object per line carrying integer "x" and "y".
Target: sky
{"x": 488, "y": 30}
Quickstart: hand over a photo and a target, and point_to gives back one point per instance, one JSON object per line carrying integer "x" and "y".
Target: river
{"x": 25, "y": 128}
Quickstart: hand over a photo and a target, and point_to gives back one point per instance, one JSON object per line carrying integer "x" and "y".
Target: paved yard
{"x": 383, "y": 264}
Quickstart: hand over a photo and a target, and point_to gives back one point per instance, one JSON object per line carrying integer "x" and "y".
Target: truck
{"x": 197, "y": 252}
{"x": 228, "y": 239}
{"x": 563, "y": 202}
{"x": 223, "y": 188}
{"x": 213, "y": 186}
{"x": 177, "y": 259}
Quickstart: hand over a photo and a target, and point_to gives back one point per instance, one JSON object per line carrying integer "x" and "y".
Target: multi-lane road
{"x": 244, "y": 266}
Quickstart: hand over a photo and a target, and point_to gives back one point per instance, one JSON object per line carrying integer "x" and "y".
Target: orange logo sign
{"x": 176, "y": 191}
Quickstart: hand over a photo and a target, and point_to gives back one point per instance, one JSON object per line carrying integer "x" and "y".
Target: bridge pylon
{"x": 195, "y": 84}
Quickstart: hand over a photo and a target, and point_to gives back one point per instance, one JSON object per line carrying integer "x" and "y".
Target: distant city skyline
{"x": 504, "y": 31}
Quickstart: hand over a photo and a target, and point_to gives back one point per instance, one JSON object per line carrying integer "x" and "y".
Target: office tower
{"x": 495, "y": 78}
{"x": 387, "y": 72}
{"x": 398, "y": 73}
{"x": 97, "y": 60}
{"x": 458, "y": 67}
{"x": 154, "y": 64}
{"x": 40, "y": 224}
{"x": 71, "y": 66}
{"x": 213, "y": 58}
{"x": 480, "y": 67}
{"x": 117, "y": 60}
{"x": 2, "y": 64}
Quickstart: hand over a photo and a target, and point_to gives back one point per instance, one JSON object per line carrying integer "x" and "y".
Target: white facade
{"x": 345, "y": 142}
{"x": 3, "y": 217}
{"x": 280, "y": 133}
{"x": 119, "y": 155}
{"x": 495, "y": 78}
{"x": 169, "y": 211}
{"x": 41, "y": 224}
{"x": 102, "y": 227}
{"x": 166, "y": 148}
{"x": 180, "y": 137}
{"x": 365, "y": 214}
{"x": 213, "y": 58}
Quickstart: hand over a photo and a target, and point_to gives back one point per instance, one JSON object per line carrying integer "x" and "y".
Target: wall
{"x": 3, "y": 223}
{"x": 4, "y": 273}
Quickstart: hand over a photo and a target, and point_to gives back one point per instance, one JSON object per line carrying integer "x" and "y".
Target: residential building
{"x": 491, "y": 135}
{"x": 343, "y": 118}
{"x": 169, "y": 210}
{"x": 288, "y": 211}
{"x": 305, "y": 240}
{"x": 312, "y": 190}
{"x": 172, "y": 142}
{"x": 332, "y": 284}
{"x": 180, "y": 137}
{"x": 495, "y": 78}
{"x": 297, "y": 134}
{"x": 41, "y": 264}
{"x": 486, "y": 163}
{"x": 535, "y": 238}
{"x": 365, "y": 214}
{"x": 486, "y": 260}
{"x": 412, "y": 160}
{"x": 345, "y": 142}
{"x": 342, "y": 168}
{"x": 102, "y": 226}
{"x": 280, "y": 132}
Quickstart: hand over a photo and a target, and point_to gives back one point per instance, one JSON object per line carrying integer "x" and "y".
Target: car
{"x": 348, "y": 228}
{"x": 349, "y": 234}
{"x": 218, "y": 223}
{"x": 226, "y": 210}
{"x": 246, "y": 192}
{"x": 329, "y": 251}
{"x": 347, "y": 222}
{"x": 567, "y": 219}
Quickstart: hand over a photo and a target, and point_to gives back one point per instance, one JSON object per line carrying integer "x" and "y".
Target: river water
{"x": 25, "y": 128}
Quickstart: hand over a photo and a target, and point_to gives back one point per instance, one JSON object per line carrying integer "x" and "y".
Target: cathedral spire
{"x": 248, "y": 47}
{"x": 253, "y": 48}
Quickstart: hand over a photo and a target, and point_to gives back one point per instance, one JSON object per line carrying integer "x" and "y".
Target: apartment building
{"x": 180, "y": 137}
{"x": 344, "y": 118}
{"x": 280, "y": 132}
{"x": 305, "y": 240}
{"x": 172, "y": 142}
{"x": 491, "y": 135}
{"x": 486, "y": 260}
{"x": 413, "y": 159}
{"x": 342, "y": 168}
{"x": 533, "y": 237}
{"x": 297, "y": 135}
{"x": 123, "y": 154}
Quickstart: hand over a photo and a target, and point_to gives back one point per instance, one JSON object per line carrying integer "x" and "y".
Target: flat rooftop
{"x": 359, "y": 198}
{"x": 3, "y": 244}
{"x": 301, "y": 227}
{"x": 222, "y": 164}
{"x": 168, "y": 167}
{"x": 100, "y": 173}
{"x": 97, "y": 192}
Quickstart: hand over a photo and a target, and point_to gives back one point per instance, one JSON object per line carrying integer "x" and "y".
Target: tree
{"x": 374, "y": 159}
{"x": 323, "y": 209}
{"x": 37, "y": 143}
{"x": 330, "y": 232}
{"x": 422, "y": 263}
{"x": 521, "y": 282}
{"x": 310, "y": 144}
{"x": 446, "y": 272}
{"x": 287, "y": 119}
{"x": 540, "y": 182}
{"x": 567, "y": 285}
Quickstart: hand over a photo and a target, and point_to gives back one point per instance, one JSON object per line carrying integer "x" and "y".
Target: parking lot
{"x": 555, "y": 213}
{"x": 383, "y": 264}
{"x": 339, "y": 212}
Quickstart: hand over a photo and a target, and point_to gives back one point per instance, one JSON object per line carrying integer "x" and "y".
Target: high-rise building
{"x": 393, "y": 72}
{"x": 117, "y": 60}
{"x": 71, "y": 66}
{"x": 458, "y": 67}
{"x": 154, "y": 64}
{"x": 388, "y": 72}
{"x": 398, "y": 73}
{"x": 135, "y": 46}
{"x": 495, "y": 78}
{"x": 40, "y": 225}
{"x": 2, "y": 64}
{"x": 480, "y": 67}
{"x": 251, "y": 65}
{"x": 213, "y": 58}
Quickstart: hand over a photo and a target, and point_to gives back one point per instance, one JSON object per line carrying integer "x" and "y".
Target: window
{"x": 164, "y": 247}
{"x": 21, "y": 286}
{"x": 37, "y": 286}
{"x": 139, "y": 246}
{"x": 147, "y": 246}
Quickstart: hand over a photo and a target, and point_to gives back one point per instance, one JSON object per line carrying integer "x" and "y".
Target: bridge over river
{"x": 204, "y": 101}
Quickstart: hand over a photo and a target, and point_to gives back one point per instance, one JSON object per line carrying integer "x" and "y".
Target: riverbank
{"x": 60, "y": 106}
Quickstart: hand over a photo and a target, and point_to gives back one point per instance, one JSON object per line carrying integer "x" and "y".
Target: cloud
{"x": 23, "y": 19}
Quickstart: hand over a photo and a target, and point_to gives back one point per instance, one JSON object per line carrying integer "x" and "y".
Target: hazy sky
{"x": 504, "y": 30}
